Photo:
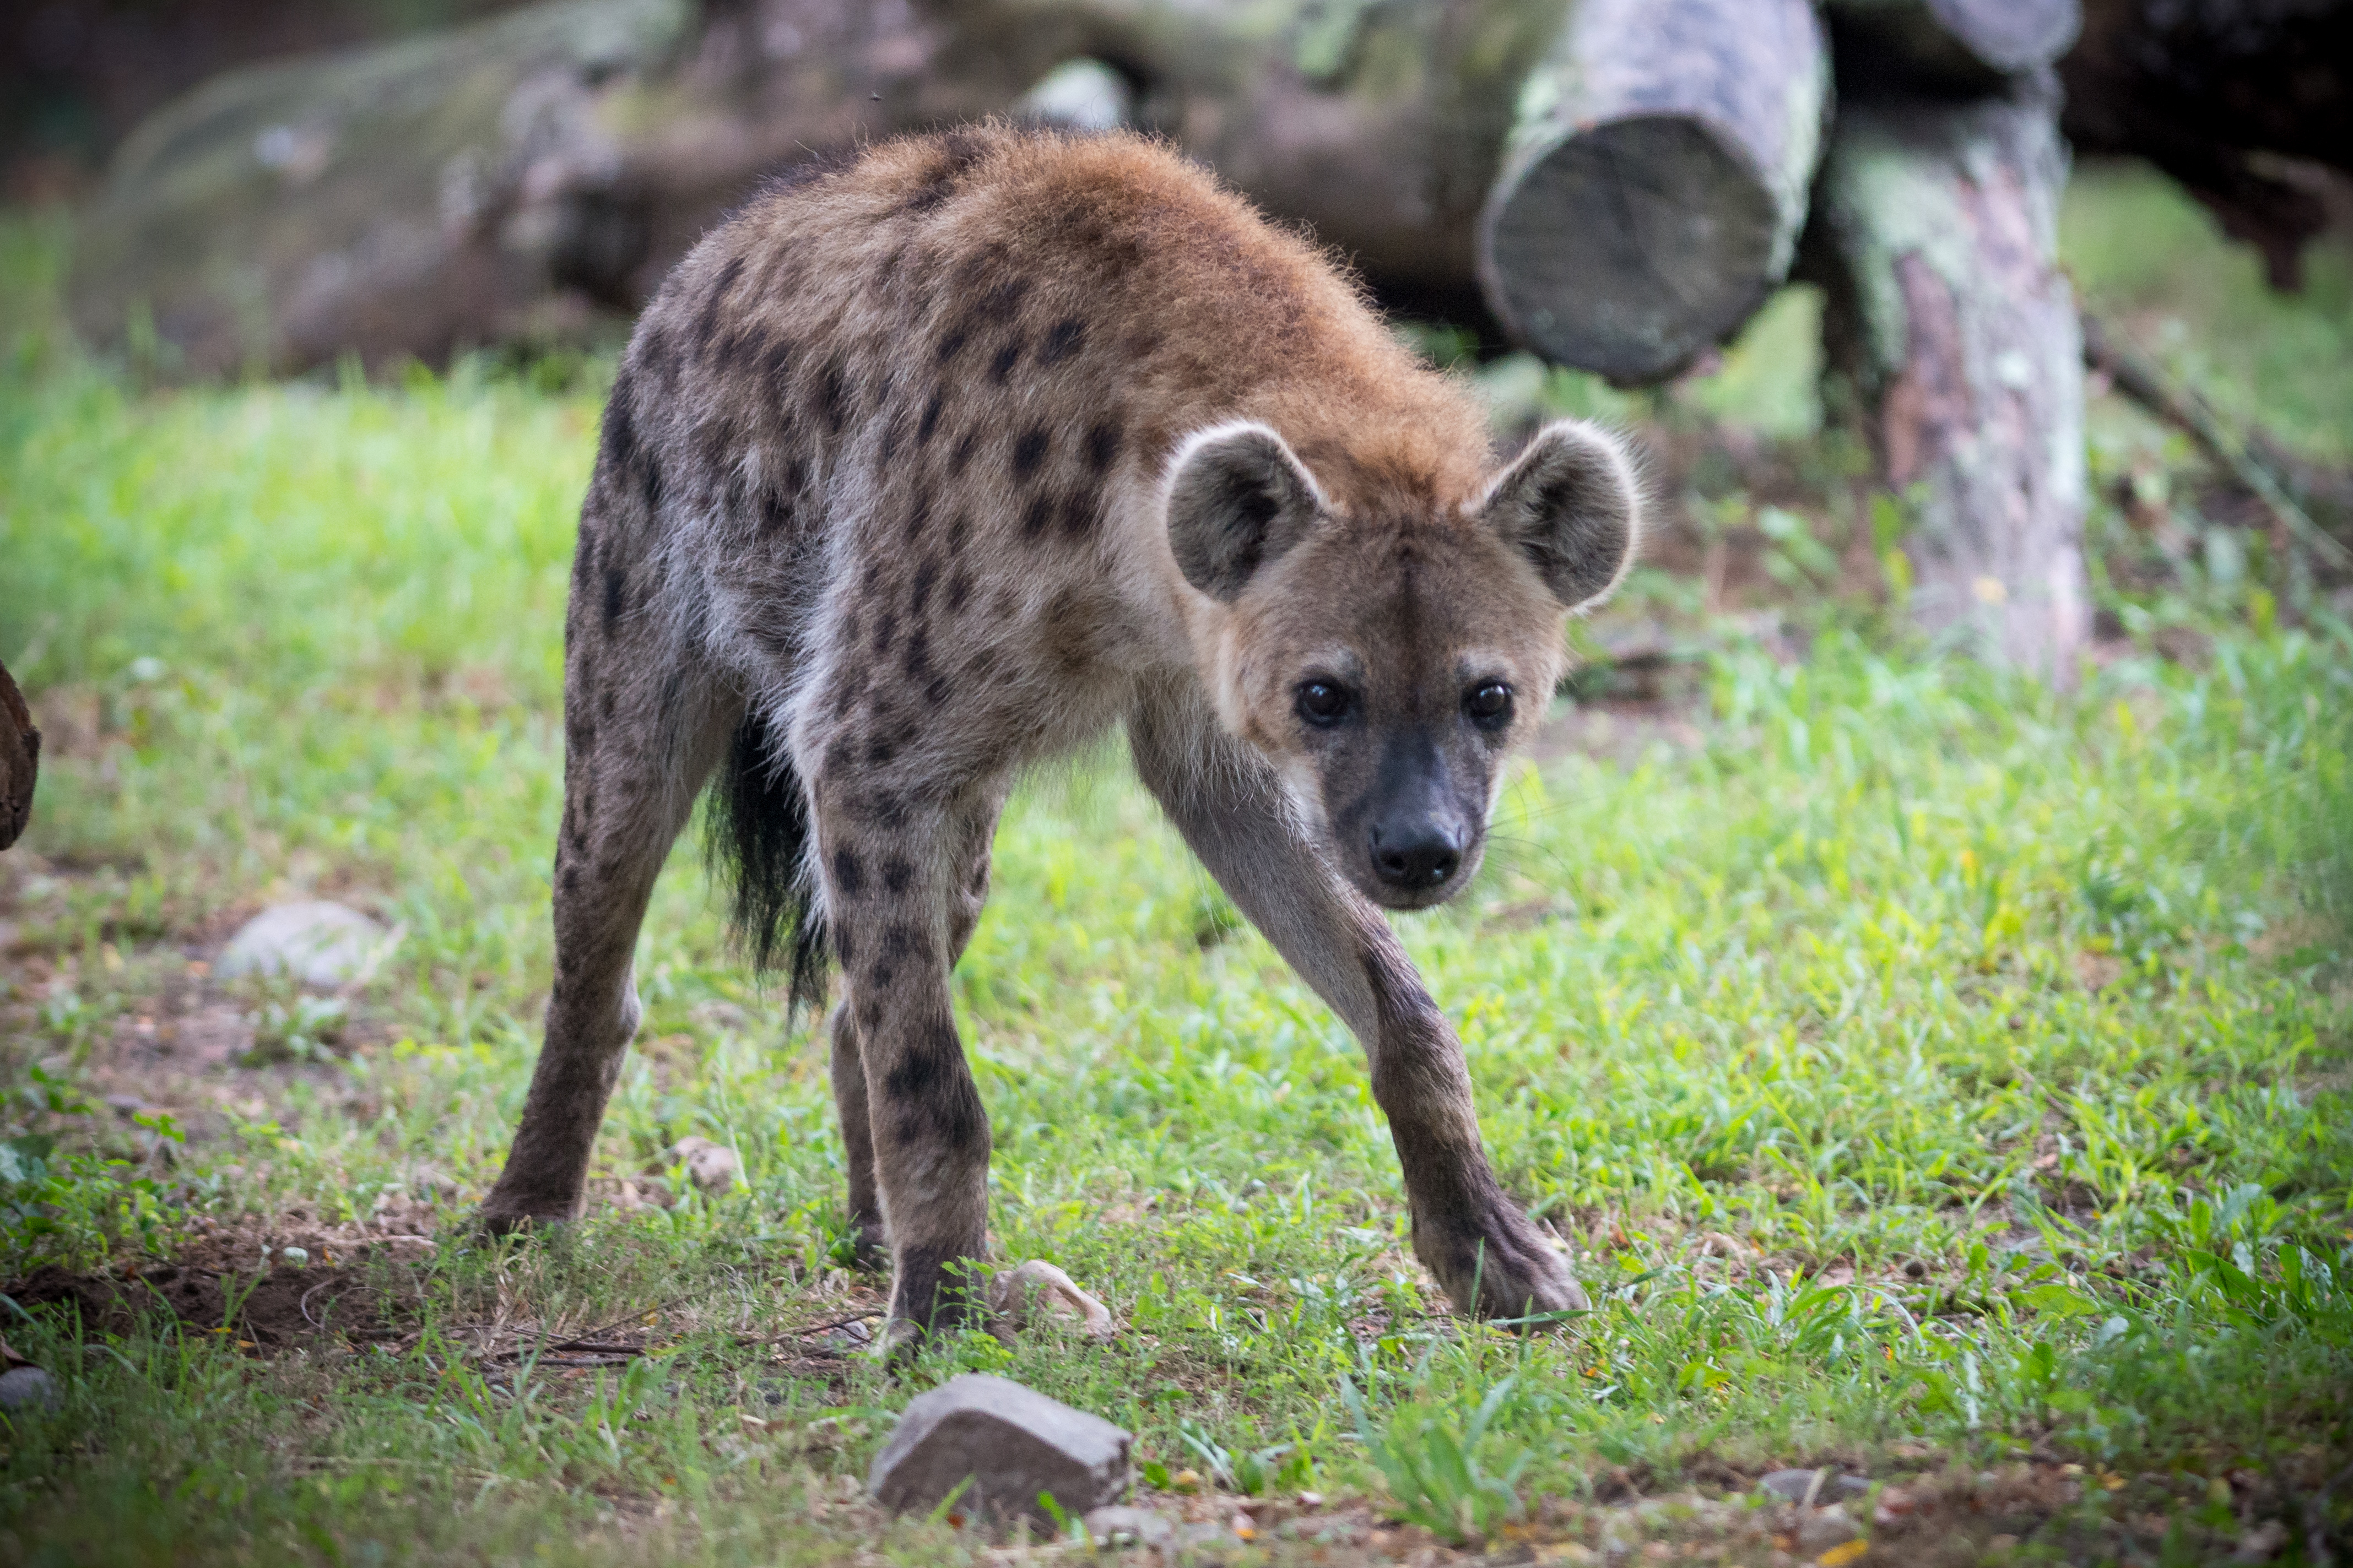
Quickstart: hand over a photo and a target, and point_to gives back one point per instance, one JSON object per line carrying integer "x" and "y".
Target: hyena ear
{"x": 1572, "y": 504}
{"x": 1238, "y": 498}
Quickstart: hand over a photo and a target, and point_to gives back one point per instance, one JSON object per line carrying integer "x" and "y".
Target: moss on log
{"x": 1952, "y": 325}
{"x": 1654, "y": 184}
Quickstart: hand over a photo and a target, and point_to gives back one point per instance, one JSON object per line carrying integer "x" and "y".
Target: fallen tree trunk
{"x": 1955, "y": 336}
{"x": 20, "y": 760}
{"x": 503, "y": 180}
{"x": 491, "y": 183}
{"x": 1954, "y": 45}
{"x": 2245, "y": 102}
{"x": 1654, "y": 184}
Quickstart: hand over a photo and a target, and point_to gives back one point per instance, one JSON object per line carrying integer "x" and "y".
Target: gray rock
{"x": 25, "y": 1386}
{"x": 1824, "y": 1528}
{"x": 1120, "y": 1525}
{"x": 1791, "y": 1486}
{"x": 1015, "y": 1443}
{"x": 322, "y": 944}
{"x": 1086, "y": 95}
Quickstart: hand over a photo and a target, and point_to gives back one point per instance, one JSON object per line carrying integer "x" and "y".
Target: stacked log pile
{"x": 1619, "y": 183}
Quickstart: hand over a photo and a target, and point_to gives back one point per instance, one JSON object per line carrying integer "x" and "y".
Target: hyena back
{"x": 945, "y": 459}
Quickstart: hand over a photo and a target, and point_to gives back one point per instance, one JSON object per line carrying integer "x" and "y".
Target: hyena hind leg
{"x": 632, "y": 767}
{"x": 970, "y": 856}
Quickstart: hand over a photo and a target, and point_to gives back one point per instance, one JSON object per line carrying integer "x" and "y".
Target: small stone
{"x": 1121, "y": 1525}
{"x": 1085, "y": 95}
{"x": 2262, "y": 1543}
{"x": 28, "y": 1386}
{"x": 1013, "y": 1442}
{"x": 1824, "y": 1528}
{"x": 1791, "y": 1486}
{"x": 325, "y": 945}
{"x": 712, "y": 1167}
{"x": 295, "y": 1256}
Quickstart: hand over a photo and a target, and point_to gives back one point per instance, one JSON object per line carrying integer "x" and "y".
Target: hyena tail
{"x": 757, "y": 826}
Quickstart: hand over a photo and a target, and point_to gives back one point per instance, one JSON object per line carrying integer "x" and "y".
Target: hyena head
{"x": 1386, "y": 658}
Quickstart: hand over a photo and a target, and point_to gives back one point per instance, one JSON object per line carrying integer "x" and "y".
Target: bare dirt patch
{"x": 365, "y": 1300}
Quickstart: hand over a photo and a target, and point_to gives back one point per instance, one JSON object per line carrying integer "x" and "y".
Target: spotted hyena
{"x": 946, "y": 459}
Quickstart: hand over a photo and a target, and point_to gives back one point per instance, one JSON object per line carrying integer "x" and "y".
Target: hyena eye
{"x": 1489, "y": 705}
{"x": 1322, "y": 704}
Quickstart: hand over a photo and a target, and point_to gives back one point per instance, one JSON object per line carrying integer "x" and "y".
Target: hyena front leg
{"x": 969, "y": 893}
{"x": 1466, "y": 1229}
{"x": 897, "y": 885}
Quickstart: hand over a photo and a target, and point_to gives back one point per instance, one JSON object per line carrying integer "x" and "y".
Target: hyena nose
{"x": 1417, "y": 857}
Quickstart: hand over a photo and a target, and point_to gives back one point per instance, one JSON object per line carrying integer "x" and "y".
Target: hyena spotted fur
{"x": 942, "y": 460}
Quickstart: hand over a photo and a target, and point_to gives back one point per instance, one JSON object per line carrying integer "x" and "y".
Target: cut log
{"x": 2247, "y": 103}
{"x": 1955, "y": 334}
{"x": 20, "y": 760}
{"x": 1654, "y": 184}
{"x": 503, "y": 181}
{"x": 1968, "y": 46}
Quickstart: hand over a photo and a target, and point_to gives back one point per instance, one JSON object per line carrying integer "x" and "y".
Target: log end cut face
{"x": 1631, "y": 246}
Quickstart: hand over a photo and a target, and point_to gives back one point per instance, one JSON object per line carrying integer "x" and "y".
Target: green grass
{"x": 1929, "y": 1073}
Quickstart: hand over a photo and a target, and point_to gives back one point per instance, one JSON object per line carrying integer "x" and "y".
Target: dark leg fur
{"x": 624, "y": 804}
{"x": 969, "y": 893}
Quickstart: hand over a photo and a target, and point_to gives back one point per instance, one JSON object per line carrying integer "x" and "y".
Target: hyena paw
{"x": 935, "y": 1295}
{"x": 1506, "y": 1268}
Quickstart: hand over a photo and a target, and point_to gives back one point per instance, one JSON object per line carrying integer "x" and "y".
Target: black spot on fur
{"x": 918, "y": 663}
{"x": 962, "y": 453}
{"x": 584, "y": 557}
{"x": 886, "y": 629}
{"x": 616, "y": 595}
{"x": 1038, "y": 516}
{"x": 707, "y": 324}
{"x": 659, "y": 354}
{"x": 958, "y": 152}
{"x": 1068, "y": 334}
{"x": 775, "y": 513}
{"x": 757, "y": 836}
{"x": 1000, "y": 303}
{"x": 919, "y": 591}
{"x": 1102, "y": 447}
{"x": 959, "y": 529}
{"x": 1030, "y": 450}
{"x": 896, "y": 874}
{"x": 1006, "y": 358}
{"x": 1081, "y": 514}
{"x": 929, "y": 1094}
{"x": 959, "y": 590}
{"x": 738, "y": 350}
{"x": 953, "y": 344}
{"x": 879, "y": 751}
{"x": 777, "y": 368}
{"x": 618, "y": 446}
{"x": 810, "y": 171}
{"x": 931, "y": 420}
{"x": 849, "y": 876}
{"x": 833, "y": 397}
{"x": 919, "y": 514}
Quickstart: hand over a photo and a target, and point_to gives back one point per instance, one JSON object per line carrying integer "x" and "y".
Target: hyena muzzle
{"x": 943, "y": 460}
